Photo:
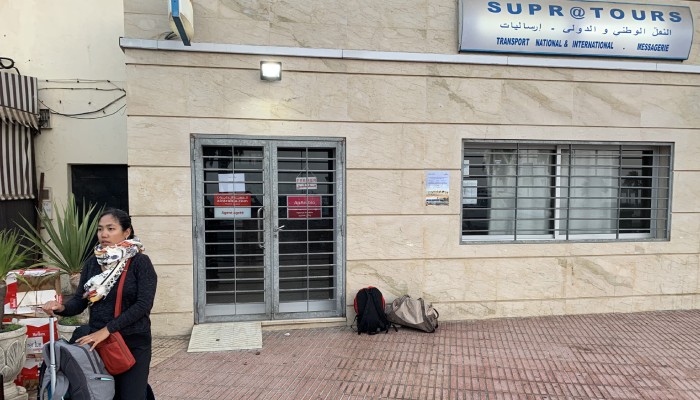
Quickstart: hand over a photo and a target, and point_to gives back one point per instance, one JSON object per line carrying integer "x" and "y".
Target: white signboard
{"x": 232, "y": 212}
{"x": 469, "y": 191}
{"x": 580, "y": 28}
{"x": 307, "y": 182}
{"x": 437, "y": 188}
{"x": 231, "y": 183}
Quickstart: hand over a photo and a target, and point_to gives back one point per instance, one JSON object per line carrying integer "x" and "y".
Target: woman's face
{"x": 109, "y": 232}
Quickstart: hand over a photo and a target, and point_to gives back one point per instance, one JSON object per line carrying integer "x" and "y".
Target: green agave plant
{"x": 12, "y": 256}
{"x": 69, "y": 238}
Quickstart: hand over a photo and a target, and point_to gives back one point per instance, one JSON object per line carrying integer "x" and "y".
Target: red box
{"x": 28, "y": 288}
{"x": 29, "y": 374}
{"x": 37, "y": 334}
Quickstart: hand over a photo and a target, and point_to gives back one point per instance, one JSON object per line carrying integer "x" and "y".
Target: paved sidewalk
{"x": 651, "y": 355}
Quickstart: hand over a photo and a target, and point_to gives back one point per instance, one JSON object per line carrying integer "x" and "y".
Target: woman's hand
{"x": 94, "y": 338}
{"x": 50, "y": 306}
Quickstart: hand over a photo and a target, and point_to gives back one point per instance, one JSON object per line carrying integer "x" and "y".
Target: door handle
{"x": 279, "y": 228}
{"x": 261, "y": 244}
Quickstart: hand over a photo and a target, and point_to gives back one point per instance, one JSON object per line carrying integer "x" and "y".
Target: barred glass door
{"x": 268, "y": 229}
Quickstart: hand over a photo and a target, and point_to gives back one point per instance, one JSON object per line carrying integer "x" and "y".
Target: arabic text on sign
{"x": 303, "y": 207}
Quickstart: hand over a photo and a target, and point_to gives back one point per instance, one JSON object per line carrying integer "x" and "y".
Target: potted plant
{"x": 66, "y": 326}
{"x": 13, "y": 337}
{"x": 67, "y": 243}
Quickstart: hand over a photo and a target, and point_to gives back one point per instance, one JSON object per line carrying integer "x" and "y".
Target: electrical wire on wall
{"x": 104, "y": 110}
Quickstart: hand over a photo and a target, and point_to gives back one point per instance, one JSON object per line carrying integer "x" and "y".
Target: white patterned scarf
{"x": 112, "y": 259}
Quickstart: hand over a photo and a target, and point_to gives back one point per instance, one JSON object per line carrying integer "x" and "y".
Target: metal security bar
{"x": 233, "y": 212}
{"x": 307, "y": 215}
{"x": 544, "y": 191}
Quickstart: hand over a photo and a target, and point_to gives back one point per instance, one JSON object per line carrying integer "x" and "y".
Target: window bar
{"x": 619, "y": 191}
{"x": 568, "y": 192}
{"x": 517, "y": 175}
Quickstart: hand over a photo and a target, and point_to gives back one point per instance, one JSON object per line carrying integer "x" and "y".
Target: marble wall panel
{"x": 531, "y": 308}
{"x": 440, "y": 41}
{"x": 168, "y": 240}
{"x": 307, "y": 35}
{"x": 175, "y": 289}
{"x": 461, "y": 280}
{"x": 537, "y": 103}
{"x": 677, "y": 302}
{"x": 161, "y": 191}
{"x": 242, "y": 10}
{"x": 411, "y": 14}
{"x": 206, "y": 91}
{"x": 172, "y": 324}
{"x": 393, "y": 278}
{"x": 245, "y": 96}
{"x": 467, "y": 310}
{"x": 401, "y": 192}
{"x": 386, "y": 98}
{"x": 456, "y": 100}
{"x": 607, "y": 104}
{"x": 669, "y": 274}
{"x": 671, "y": 106}
{"x": 310, "y": 97}
{"x": 529, "y": 279}
{"x": 311, "y": 11}
{"x": 382, "y": 146}
{"x": 387, "y": 39}
{"x": 385, "y": 237}
{"x": 215, "y": 126}
{"x": 297, "y": 96}
{"x": 146, "y": 26}
{"x": 158, "y": 141}
{"x": 686, "y": 191}
{"x": 590, "y": 305}
{"x": 155, "y": 90}
{"x": 442, "y": 15}
{"x": 599, "y": 277}
{"x": 233, "y": 31}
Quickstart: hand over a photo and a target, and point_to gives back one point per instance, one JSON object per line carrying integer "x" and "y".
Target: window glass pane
{"x": 591, "y": 182}
{"x": 529, "y": 191}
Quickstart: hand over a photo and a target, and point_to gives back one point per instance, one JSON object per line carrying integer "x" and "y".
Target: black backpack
{"x": 369, "y": 307}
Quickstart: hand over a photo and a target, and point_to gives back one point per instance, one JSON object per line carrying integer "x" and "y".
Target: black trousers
{"x": 132, "y": 384}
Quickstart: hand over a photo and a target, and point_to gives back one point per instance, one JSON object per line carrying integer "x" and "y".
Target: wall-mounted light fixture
{"x": 270, "y": 71}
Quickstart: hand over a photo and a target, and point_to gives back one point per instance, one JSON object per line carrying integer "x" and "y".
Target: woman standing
{"x": 99, "y": 280}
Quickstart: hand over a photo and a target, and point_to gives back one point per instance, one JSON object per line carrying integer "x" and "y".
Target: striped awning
{"x": 19, "y": 114}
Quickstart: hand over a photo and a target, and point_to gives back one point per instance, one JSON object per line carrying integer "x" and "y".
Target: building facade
{"x": 490, "y": 184}
{"x": 80, "y": 74}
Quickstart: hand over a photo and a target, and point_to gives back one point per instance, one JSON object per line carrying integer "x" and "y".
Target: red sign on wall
{"x": 303, "y": 207}
{"x": 232, "y": 200}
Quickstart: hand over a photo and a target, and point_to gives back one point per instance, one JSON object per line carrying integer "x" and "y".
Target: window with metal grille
{"x": 545, "y": 191}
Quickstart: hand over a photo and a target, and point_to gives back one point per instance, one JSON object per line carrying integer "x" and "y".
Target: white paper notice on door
{"x": 231, "y": 183}
{"x": 469, "y": 191}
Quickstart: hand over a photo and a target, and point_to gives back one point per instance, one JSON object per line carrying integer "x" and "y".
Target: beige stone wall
{"x": 399, "y": 120}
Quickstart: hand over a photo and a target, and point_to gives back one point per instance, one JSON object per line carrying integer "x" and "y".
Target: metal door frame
{"x": 197, "y": 141}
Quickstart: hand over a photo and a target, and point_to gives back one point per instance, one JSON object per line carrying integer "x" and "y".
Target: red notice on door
{"x": 229, "y": 205}
{"x": 303, "y": 207}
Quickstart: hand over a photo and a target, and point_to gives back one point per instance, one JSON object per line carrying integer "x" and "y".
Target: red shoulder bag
{"x": 114, "y": 353}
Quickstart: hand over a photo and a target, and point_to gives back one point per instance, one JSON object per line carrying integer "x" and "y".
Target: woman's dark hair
{"x": 122, "y": 217}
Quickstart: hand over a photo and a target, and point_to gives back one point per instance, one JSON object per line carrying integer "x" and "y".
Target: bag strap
{"x": 122, "y": 278}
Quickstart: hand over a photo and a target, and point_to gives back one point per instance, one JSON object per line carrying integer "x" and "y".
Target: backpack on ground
{"x": 80, "y": 374}
{"x": 369, "y": 307}
{"x": 412, "y": 313}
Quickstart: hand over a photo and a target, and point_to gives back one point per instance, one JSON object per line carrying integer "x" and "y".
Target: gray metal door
{"x": 268, "y": 224}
